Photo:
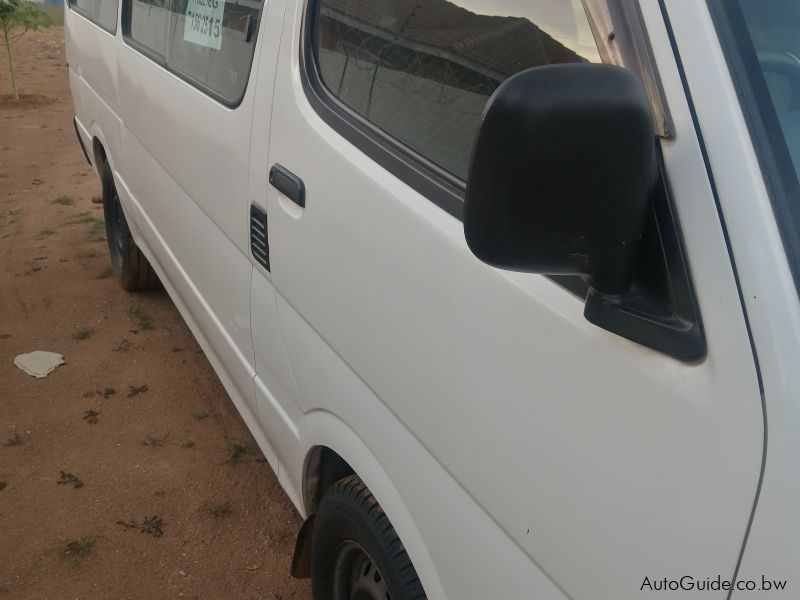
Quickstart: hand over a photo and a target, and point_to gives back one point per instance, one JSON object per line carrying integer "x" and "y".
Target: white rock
{"x": 39, "y": 363}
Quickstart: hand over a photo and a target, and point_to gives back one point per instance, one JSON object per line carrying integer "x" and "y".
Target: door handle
{"x": 288, "y": 184}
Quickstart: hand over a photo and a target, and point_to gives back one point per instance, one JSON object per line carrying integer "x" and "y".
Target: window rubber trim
{"x": 161, "y": 61}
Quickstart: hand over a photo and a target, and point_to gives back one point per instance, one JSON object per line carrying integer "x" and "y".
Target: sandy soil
{"x": 127, "y": 473}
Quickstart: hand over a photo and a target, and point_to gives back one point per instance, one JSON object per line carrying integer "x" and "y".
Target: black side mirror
{"x": 561, "y": 173}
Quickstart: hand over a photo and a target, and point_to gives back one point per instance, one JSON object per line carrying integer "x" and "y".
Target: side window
{"x": 208, "y": 42}
{"x": 100, "y": 12}
{"x": 149, "y": 20}
{"x": 105, "y": 14}
{"x": 82, "y": 6}
{"x": 212, "y": 43}
{"x": 423, "y": 70}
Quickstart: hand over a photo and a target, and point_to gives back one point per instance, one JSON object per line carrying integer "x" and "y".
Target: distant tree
{"x": 18, "y": 17}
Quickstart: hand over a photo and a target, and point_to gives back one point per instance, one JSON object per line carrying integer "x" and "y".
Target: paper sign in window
{"x": 203, "y": 24}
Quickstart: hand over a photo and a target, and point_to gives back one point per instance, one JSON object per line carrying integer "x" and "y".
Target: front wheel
{"x": 128, "y": 264}
{"x": 355, "y": 552}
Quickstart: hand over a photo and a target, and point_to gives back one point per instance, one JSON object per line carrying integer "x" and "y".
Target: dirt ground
{"x": 127, "y": 473}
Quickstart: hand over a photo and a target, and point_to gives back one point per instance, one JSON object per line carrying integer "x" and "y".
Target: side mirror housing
{"x": 561, "y": 173}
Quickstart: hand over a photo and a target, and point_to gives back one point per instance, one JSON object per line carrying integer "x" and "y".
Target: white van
{"x": 506, "y": 290}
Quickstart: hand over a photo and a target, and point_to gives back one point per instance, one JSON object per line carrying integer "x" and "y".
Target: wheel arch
{"x": 100, "y": 153}
{"x": 339, "y": 452}
{"x": 323, "y": 467}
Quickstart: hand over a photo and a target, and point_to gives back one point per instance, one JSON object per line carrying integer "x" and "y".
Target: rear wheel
{"x": 355, "y": 552}
{"x": 129, "y": 265}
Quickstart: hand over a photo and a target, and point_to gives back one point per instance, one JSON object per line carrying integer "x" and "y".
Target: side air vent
{"x": 259, "y": 243}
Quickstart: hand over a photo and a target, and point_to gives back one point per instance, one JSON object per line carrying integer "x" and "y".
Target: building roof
{"x": 503, "y": 45}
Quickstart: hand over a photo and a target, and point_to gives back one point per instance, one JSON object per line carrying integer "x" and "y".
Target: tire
{"x": 355, "y": 551}
{"x": 128, "y": 264}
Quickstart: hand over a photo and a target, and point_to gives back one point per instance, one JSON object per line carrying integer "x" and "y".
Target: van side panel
{"x": 769, "y": 293}
{"x": 92, "y": 62}
{"x": 186, "y": 165}
{"x": 602, "y": 461}
{"x": 446, "y": 532}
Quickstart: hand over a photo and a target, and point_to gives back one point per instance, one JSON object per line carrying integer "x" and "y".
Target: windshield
{"x": 761, "y": 39}
{"x": 774, "y": 28}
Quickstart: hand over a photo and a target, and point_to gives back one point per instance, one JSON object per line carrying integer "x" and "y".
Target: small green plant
{"x": 44, "y": 233}
{"x": 218, "y": 511}
{"x": 89, "y": 254}
{"x": 17, "y": 17}
{"x": 106, "y": 392}
{"x": 135, "y": 390}
{"x": 123, "y": 345}
{"x": 90, "y": 416}
{"x": 237, "y": 451}
{"x": 200, "y": 415}
{"x": 10, "y": 217}
{"x": 97, "y": 226}
{"x": 187, "y": 444}
{"x": 31, "y": 268}
{"x": 152, "y": 441}
{"x": 143, "y": 319}
{"x": 64, "y": 201}
{"x": 84, "y": 218}
{"x": 81, "y": 333}
{"x": 14, "y": 440}
{"x": 97, "y": 231}
{"x": 78, "y": 550}
{"x": 66, "y": 478}
{"x": 149, "y": 525}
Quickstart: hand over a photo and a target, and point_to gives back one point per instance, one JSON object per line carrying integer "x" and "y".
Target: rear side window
{"x": 101, "y": 12}
{"x": 149, "y": 20}
{"x": 422, "y": 71}
{"x": 210, "y": 43}
{"x": 105, "y": 14}
{"x": 82, "y": 6}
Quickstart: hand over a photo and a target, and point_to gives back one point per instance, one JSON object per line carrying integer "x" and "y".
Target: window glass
{"x": 422, "y": 70}
{"x": 100, "y": 12}
{"x": 104, "y": 13}
{"x": 149, "y": 23}
{"x": 212, "y": 42}
{"x": 774, "y": 28}
{"x": 84, "y": 6}
{"x": 762, "y": 40}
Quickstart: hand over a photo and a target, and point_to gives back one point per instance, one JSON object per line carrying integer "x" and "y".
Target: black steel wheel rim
{"x": 355, "y": 576}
